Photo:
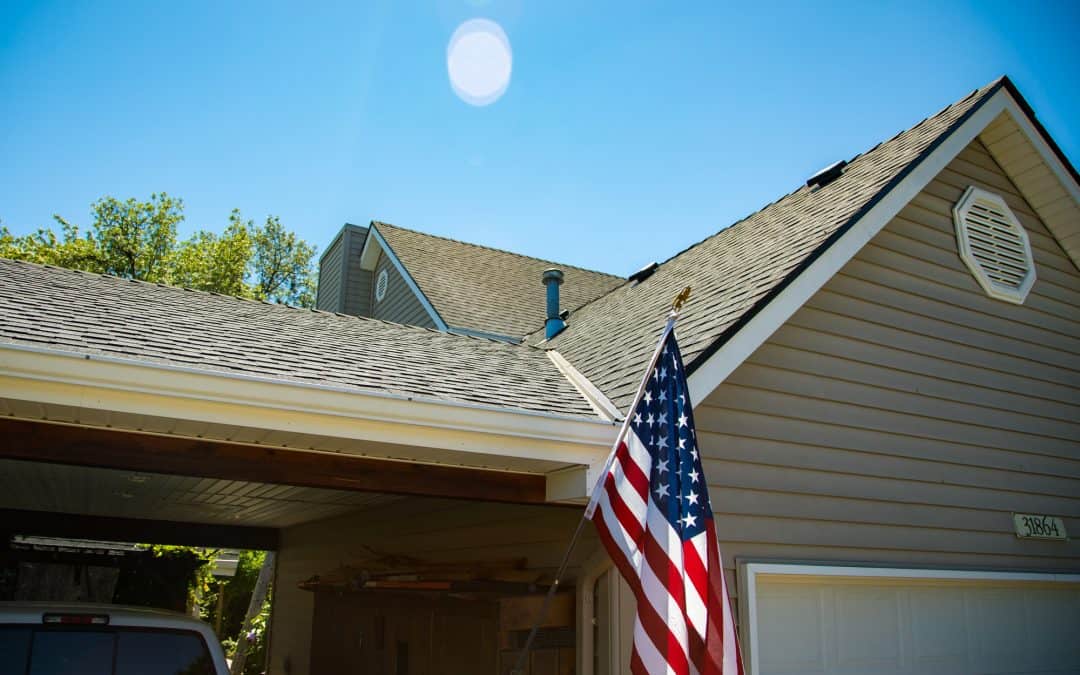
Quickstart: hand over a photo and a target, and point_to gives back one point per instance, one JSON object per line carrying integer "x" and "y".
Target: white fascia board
{"x": 569, "y": 486}
{"x": 369, "y": 252}
{"x": 409, "y": 281}
{"x": 97, "y": 382}
{"x": 709, "y": 375}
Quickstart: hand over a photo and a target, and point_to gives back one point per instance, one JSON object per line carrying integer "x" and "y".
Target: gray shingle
{"x": 98, "y": 314}
{"x": 485, "y": 289}
{"x": 738, "y": 270}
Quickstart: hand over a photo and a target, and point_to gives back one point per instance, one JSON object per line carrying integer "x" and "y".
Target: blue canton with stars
{"x": 664, "y": 421}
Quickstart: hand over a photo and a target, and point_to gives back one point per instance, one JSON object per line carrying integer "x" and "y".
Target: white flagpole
{"x": 672, "y": 317}
{"x": 591, "y": 508}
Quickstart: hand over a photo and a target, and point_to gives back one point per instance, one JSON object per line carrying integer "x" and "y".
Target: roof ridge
{"x": 253, "y": 301}
{"x": 986, "y": 89}
{"x": 496, "y": 250}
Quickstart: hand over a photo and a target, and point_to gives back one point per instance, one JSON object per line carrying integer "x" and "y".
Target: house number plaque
{"x": 1038, "y": 526}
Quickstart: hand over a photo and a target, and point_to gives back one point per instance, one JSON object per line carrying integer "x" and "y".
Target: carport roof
{"x": 94, "y": 314}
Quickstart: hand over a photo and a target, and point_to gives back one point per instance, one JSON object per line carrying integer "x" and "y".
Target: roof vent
{"x": 554, "y": 324}
{"x": 643, "y": 273}
{"x": 826, "y": 175}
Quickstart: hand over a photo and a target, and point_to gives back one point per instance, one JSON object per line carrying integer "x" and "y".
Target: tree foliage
{"x": 237, "y": 594}
{"x": 138, "y": 240}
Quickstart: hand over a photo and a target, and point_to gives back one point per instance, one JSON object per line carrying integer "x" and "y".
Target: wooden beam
{"x": 129, "y": 451}
{"x": 138, "y": 530}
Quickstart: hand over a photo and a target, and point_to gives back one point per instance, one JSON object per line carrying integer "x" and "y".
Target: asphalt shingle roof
{"x": 485, "y": 289}
{"x": 737, "y": 271}
{"x": 98, "y": 314}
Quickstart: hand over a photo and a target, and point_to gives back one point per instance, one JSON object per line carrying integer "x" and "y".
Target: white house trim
{"x": 600, "y": 403}
{"x": 585, "y": 589}
{"x": 751, "y": 571}
{"x": 111, "y": 384}
{"x": 745, "y": 342}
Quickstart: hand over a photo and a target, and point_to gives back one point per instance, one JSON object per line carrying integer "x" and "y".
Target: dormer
{"x": 419, "y": 279}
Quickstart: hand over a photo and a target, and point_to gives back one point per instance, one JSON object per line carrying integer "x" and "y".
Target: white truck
{"x": 52, "y": 638}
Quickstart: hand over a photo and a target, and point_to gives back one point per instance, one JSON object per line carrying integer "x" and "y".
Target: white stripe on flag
{"x": 696, "y": 609}
{"x": 638, "y": 452}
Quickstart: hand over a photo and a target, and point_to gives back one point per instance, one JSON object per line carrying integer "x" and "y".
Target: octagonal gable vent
{"x": 380, "y": 286}
{"x": 994, "y": 245}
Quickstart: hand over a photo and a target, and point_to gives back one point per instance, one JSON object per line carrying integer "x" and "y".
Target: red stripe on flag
{"x": 629, "y": 521}
{"x": 632, "y": 471}
{"x": 696, "y": 571}
{"x": 636, "y": 666}
{"x": 618, "y": 556}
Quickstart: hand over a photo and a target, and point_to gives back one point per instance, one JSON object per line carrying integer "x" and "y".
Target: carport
{"x": 342, "y": 482}
{"x": 327, "y": 513}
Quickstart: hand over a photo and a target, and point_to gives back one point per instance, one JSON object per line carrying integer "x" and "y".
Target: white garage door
{"x": 900, "y": 622}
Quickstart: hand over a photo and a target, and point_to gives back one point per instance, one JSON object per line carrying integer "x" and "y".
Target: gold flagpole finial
{"x": 680, "y": 299}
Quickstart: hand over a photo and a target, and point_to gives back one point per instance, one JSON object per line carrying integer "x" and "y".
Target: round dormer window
{"x": 380, "y": 286}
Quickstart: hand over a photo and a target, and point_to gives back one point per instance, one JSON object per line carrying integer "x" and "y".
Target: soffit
{"x": 36, "y": 486}
{"x": 1052, "y": 194}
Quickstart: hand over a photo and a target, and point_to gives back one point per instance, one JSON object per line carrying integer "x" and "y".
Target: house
{"x": 885, "y": 367}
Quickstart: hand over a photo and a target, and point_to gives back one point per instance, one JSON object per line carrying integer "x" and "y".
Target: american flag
{"x": 651, "y": 508}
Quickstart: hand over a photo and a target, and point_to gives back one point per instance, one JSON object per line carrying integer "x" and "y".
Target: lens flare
{"x": 479, "y": 62}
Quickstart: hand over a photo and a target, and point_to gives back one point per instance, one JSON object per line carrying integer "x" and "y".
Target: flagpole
{"x": 673, "y": 315}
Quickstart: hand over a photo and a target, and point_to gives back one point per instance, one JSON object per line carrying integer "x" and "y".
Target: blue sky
{"x": 628, "y": 132}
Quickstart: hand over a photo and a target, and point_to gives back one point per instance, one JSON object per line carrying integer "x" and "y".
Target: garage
{"x": 834, "y": 619}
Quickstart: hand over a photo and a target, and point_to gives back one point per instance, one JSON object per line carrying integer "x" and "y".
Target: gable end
{"x": 716, "y": 362}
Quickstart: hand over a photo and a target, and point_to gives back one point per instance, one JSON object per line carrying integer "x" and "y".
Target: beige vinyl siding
{"x": 328, "y": 293}
{"x": 400, "y": 304}
{"x": 358, "y": 287}
{"x": 902, "y": 416}
{"x": 429, "y": 529}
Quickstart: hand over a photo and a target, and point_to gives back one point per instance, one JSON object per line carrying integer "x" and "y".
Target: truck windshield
{"x": 48, "y": 650}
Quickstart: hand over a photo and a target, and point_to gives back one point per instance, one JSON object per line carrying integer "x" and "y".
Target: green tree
{"x": 219, "y": 263}
{"x": 237, "y": 595}
{"x": 135, "y": 240}
{"x": 47, "y": 248}
{"x": 138, "y": 240}
{"x": 282, "y": 264}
